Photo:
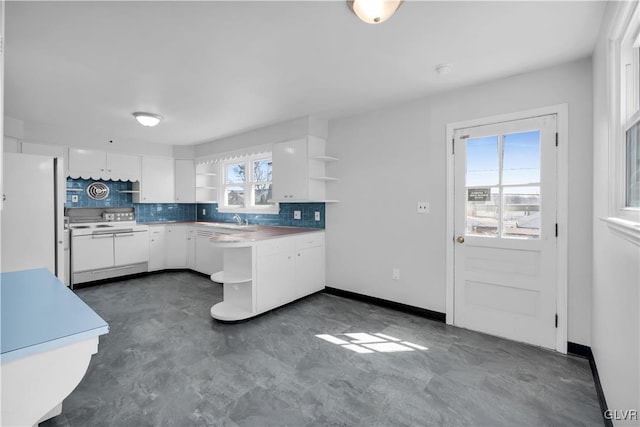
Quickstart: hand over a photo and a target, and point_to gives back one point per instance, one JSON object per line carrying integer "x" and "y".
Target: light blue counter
{"x": 39, "y": 313}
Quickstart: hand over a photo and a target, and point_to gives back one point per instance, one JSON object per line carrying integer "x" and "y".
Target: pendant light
{"x": 147, "y": 119}
{"x": 374, "y": 11}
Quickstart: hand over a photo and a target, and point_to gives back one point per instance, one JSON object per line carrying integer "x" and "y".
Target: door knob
{"x": 460, "y": 239}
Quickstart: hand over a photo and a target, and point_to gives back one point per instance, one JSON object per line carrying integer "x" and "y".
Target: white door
{"x": 505, "y": 230}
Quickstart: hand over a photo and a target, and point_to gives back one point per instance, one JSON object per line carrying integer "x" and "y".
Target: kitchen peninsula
{"x": 48, "y": 337}
{"x": 266, "y": 267}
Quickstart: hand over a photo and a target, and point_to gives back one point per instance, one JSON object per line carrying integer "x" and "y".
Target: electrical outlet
{"x": 74, "y": 198}
{"x": 423, "y": 207}
{"x": 204, "y": 211}
{"x": 395, "y": 273}
{"x": 317, "y": 216}
{"x": 297, "y": 215}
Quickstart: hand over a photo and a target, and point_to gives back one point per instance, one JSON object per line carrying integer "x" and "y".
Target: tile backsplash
{"x": 209, "y": 212}
{"x": 78, "y": 187}
{"x": 163, "y": 212}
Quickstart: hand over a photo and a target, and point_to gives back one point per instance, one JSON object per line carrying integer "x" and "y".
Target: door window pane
{"x": 521, "y": 212}
{"x": 482, "y": 161}
{"x": 483, "y": 211}
{"x": 521, "y": 158}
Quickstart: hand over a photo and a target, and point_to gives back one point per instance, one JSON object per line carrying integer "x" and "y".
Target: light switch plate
{"x": 297, "y": 215}
{"x": 423, "y": 207}
{"x": 317, "y": 216}
{"x": 74, "y": 198}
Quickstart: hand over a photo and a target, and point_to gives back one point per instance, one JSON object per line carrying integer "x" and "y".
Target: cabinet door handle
{"x": 123, "y": 235}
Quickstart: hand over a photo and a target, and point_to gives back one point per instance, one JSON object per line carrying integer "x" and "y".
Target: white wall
{"x": 615, "y": 338}
{"x": 393, "y": 157}
{"x": 41, "y": 133}
{"x": 284, "y": 131}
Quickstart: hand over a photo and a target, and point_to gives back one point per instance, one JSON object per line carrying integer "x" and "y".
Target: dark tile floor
{"x": 165, "y": 362}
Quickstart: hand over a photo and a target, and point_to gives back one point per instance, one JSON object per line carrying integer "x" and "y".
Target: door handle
{"x": 460, "y": 239}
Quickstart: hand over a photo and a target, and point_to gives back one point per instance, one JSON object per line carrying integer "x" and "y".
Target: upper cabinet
{"x": 185, "y": 182}
{"x": 157, "y": 181}
{"x": 299, "y": 170}
{"x": 96, "y": 164}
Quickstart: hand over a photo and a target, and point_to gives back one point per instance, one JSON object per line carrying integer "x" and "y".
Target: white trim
{"x": 562, "y": 113}
{"x": 628, "y": 230}
{"x": 257, "y": 150}
{"x": 617, "y": 135}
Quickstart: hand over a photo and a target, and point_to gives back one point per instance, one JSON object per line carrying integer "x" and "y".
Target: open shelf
{"x": 324, "y": 178}
{"x": 226, "y": 311}
{"x": 75, "y": 190}
{"x": 207, "y": 188}
{"x": 129, "y": 191}
{"x": 230, "y": 278}
{"x": 326, "y": 158}
{"x": 207, "y": 173}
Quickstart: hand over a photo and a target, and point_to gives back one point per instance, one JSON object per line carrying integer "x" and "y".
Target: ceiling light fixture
{"x": 147, "y": 119}
{"x": 444, "y": 69}
{"x": 374, "y": 11}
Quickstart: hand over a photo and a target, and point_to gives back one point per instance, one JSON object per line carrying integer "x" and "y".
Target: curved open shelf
{"x": 230, "y": 278}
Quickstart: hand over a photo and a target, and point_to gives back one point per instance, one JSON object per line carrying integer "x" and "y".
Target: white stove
{"x": 105, "y": 227}
{"x": 106, "y": 243}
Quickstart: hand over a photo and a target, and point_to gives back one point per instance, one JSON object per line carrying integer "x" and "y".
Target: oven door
{"x": 92, "y": 252}
{"x": 131, "y": 248}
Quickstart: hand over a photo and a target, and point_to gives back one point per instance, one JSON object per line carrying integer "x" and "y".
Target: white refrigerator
{"x": 32, "y": 216}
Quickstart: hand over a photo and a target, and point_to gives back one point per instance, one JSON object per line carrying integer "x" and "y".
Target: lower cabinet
{"x": 275, "y": 266}
{"x": 260, "y": 276}
{"x": 176, "y": 246}
{"x": 208, "y": 259}
{"x": 191, "y": 248}
{"x": 157, "y": 247}
{"x": 183, "y": 246}
{"x": 310, "y": 271}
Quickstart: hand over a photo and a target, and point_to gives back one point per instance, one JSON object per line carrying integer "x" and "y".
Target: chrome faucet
{"x": 237, "y": 219}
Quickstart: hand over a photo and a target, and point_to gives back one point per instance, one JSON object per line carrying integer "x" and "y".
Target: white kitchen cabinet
{"x": 92, "y": 252}
{"x": 123, "y": 166}
{"x": 185, "y": 181}
{"x": 176, "y": 246}
{"x": 157, "y": 247}
{"x": 208, "y": 257}
{"x": 156, "y": 182}
{"x": 299, "y": 170}
{"x": 191, "y": 248}
{"x": 309, "y": 270}
{"x": 97, "y": 164}
{"x": 274, "y": 273}
{"x": 131, "y": 248}
{"x": 261, "y": 275}
{"x": 84, "y": 163}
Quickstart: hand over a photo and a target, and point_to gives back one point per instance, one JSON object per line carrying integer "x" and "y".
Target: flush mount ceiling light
{"x": 374, "y": 11}
{"x": 147, "y": 119}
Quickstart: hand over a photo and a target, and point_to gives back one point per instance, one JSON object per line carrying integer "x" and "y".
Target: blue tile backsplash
{"x": 285, "y": 217}
{"x": 162, "y": 212}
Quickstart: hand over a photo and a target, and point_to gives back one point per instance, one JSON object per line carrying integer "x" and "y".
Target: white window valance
{"x": 236, "y": 154}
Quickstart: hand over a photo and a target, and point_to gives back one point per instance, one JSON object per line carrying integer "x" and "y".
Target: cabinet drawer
{"x": 310, "y": 241}
{"x": 275, "y": 246}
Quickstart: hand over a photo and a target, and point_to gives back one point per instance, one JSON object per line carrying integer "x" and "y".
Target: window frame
{"x": 621, "y": 218}
{"x": 249, "y": 205}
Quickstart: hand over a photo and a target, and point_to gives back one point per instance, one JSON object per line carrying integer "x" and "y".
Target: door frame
{"x": 562, "y": 181}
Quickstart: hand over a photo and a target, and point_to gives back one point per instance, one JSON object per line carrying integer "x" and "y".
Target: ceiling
{"x": 217, "y": 68}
